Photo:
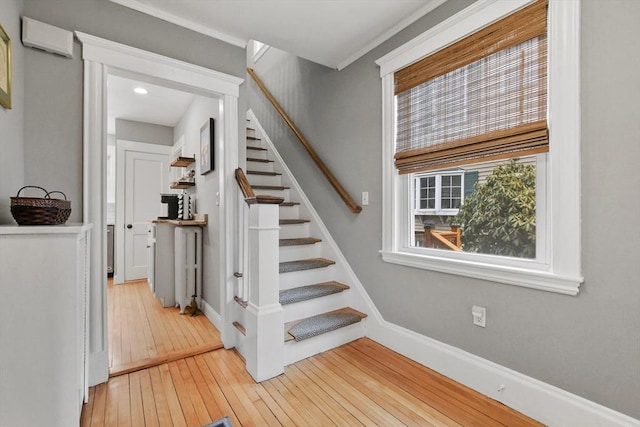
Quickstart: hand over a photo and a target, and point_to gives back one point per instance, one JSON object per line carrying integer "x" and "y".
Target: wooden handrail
{"x": 245, "y": 187}
{"x": 249, "y": 196}
{"x": 317, "y": 160}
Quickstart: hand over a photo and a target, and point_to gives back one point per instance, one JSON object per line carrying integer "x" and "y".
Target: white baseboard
{"x": 536, "y": 399}
{"x": 213, "y": 316}
{"x": 98, "y": 367}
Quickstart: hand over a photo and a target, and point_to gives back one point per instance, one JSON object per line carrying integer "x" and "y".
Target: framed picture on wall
{"x": 207, "y": 137}
{"x": 5, "y": 69}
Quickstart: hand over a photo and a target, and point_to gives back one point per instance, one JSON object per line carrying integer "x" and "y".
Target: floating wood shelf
{"x": 181, "y": 185}
{"x": 182, "y": 162}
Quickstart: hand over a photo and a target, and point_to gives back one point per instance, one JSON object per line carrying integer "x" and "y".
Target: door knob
{"x": 129, "y": 226}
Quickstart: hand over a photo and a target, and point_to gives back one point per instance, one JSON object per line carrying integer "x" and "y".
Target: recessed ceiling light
{"x": 140, "y": 90}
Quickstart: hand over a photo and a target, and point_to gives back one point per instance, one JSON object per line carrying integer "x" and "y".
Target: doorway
{"x": 101, "y": 59}
{"x": 148, "y": 132}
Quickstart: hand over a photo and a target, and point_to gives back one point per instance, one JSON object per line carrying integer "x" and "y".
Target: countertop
{"x": 200, "y": 220}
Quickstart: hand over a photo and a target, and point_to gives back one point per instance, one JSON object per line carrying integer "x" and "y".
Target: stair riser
{"x": 290, "y": 212}
{"x": 259, "y": 166}
{"x": 296, "y": 351}
{"x": 265, "y": 180}
{"x": 313, "y": 307}
{"x": 305, "y": 277}
{"x": 292, "y": 253}
{"x": 294, "y": 231}
{"x": 277, "y": 193}
{"x": 256, "y": 154}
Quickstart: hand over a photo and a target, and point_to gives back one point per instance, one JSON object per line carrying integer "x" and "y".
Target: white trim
{"x": 101, "y": 58}
{"x": 536, "y": 399}
{"x": 559, "y": 270}
{"x": 131, "y": 59}
{"x": 257, "y": 54}
{"x": 182, "y": 22}
{"x": 214, "y": 317}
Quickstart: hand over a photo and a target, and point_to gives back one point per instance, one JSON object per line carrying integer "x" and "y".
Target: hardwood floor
{"x": 361, "y": 383}
{"x": 142, "y": 333}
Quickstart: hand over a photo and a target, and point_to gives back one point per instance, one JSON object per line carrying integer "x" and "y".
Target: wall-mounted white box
{"x": 47, "y": 37}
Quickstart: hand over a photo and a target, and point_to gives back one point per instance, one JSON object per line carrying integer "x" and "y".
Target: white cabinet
{"x": 43, "y": 324}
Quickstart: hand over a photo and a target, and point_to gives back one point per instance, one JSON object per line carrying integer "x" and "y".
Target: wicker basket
{"x": 40, "y": 210}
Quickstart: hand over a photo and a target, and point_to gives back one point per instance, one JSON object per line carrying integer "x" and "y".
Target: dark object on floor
{"x": 222, "y": 422}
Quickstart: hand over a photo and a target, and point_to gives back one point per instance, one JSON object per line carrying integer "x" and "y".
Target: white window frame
{"x": 438, "y": 210}
{"x": 557, "y": 267}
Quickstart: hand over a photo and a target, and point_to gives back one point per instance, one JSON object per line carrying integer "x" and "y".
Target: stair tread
{"x": 304, "y": 264}
{"x": 253, "y": 138}
{"x": 289, "y": 204}
{"x": 317, "y": 290}
{"x": 263, "y": 173}
{"x": 253, "y": 159}
{"x": 298, "y": 241}
{"x": 293, "y": 221}
{"x": 249, "y": 147}
{"x": 269, "y": 187}
{"x": 321, "y": 323}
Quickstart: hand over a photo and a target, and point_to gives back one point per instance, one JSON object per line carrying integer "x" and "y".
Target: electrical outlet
{"x": 479, "y": 316}
{"x": 365, "y": 198}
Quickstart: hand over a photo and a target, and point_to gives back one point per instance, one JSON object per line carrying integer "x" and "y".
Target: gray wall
{"x": 53, "y": 93}
{"x": 588, "y": 344}
{"x": 130, "y": 130}
{"x": 11, "y": 121}
{"x": 198, "y": 113}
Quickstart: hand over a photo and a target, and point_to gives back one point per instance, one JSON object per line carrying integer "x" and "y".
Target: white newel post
{"x": 265, "y": 318}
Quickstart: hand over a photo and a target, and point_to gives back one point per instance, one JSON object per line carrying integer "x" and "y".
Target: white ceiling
{"x": 160, "y": 106}
{"x": 333, "y": 33}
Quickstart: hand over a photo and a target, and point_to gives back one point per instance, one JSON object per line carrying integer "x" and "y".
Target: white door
{"x": 145, "y": 178}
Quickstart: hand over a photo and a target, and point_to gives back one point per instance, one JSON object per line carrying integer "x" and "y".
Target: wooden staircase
{"x": 313, "y": 293}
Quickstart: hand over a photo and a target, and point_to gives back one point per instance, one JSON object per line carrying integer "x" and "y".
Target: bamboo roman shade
{"x": 482, "y": 98}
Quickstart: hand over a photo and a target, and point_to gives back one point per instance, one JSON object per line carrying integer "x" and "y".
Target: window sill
{"x": 527, "y": 278}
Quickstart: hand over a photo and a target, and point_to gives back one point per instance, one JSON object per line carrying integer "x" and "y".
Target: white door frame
{"x": 102, "y": 58}
{"x": 121, "y": 147}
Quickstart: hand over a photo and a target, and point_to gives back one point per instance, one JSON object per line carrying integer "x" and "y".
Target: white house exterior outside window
{"x": 556, "y": 265}
{"x": 438, "y": 193}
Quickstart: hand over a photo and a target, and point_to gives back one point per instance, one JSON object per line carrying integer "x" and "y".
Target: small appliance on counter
{"x": 172, "y": 205}
{"x": 185, "y": 207}
{"x": 179, "y": 206}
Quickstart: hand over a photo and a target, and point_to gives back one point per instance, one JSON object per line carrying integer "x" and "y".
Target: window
{"x": 436, "y": 121}
{"x": 438, "y": 193}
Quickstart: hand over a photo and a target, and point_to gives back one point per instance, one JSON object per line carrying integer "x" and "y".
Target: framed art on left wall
{"x": 5, "y": 69}
{"x": 207, "y": 139}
